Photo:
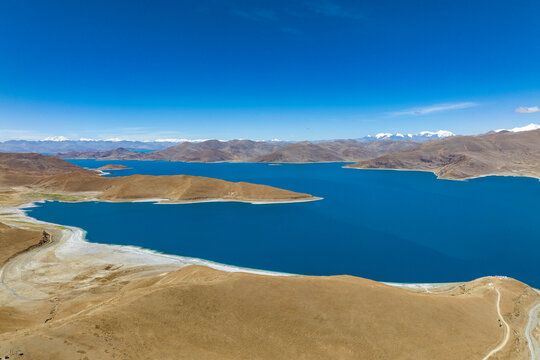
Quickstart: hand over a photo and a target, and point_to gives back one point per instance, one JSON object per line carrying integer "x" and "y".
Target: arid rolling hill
{"x": 25, "y": 168}
{"x": 116, "y": 154}
{"x": 201, "y": 313}
{"x": 464, "y": 157}
{"x": 214, "y": 151}
{"x": 170, "y": 188}
{"x": 43, "y": 173}
{"x": 205, "y": 151}
{"x": 339, "y": 150}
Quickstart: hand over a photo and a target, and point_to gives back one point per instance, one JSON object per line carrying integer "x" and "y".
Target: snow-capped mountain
{"x": 529, "y": 127}
{"x": 423, "y": 135}
{"x": 56, "y": 138}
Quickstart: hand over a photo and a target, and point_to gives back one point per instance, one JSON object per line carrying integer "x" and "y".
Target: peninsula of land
{"x": 40, "y": 177}
{"x": 114, "y": 167}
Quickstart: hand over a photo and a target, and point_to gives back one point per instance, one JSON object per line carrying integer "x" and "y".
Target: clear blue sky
{"x": 306, "y": 69}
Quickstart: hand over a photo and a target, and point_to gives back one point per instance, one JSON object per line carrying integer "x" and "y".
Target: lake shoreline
{"x": 74, "y": 243}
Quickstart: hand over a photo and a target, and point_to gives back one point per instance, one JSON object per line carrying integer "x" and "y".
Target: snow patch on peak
{"x": 424, "y": 135}
{"x": 439, "y": 134}
{"x": 530, "y": 127}
{"x": 383, "y": 135}
{"x": 169, "y": 140}
{"x": 55, "y": 138}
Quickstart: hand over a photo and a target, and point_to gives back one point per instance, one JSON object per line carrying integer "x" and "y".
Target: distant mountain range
{"x": 61, "y": 144}
{"x": 422, "y": 136}
{"x": 513, "y": 152}
{"x": 339, "y": 150}
{"x": 502, "y": 152}
{"x": 56, "y": 145}
{"x": 257, "y": 151}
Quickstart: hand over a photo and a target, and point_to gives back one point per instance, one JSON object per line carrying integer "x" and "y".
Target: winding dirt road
{"x": 507, "y": 331}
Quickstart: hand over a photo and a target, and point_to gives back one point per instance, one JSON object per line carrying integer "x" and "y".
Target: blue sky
{"x": 293, "y": 70}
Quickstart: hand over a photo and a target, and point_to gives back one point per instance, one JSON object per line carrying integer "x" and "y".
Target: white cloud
{"x": 527, "y": 110}
{"x": 435, "y": 108}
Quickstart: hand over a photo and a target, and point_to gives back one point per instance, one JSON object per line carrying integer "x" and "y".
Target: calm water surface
{"x": 384, "y": 225}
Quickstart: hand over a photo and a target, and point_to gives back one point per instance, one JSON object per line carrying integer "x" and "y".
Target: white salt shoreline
{"x": 73, "y": 245}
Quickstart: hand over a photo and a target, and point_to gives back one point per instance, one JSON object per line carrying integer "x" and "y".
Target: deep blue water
{"x": 384, "y": 225}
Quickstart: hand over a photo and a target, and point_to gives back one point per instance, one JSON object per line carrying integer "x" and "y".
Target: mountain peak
{"x": 423, "y": 135}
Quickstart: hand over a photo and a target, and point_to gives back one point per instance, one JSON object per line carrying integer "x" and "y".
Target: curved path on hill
{"x": 507, "y": 331}
{"x": 533, "y": 318}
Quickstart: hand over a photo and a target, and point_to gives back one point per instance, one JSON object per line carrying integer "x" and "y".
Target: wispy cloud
{"x": 332, "y": 8}
{"x": 527, "y": 110}
{"x": 435, "y": 108}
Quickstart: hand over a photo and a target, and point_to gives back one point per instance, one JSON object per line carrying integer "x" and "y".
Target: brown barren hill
{"x": 332, "y": 151}
{"x": 116, "y": 154}
{"x": 214, "y": 151}
{"x": 201, "y": 313}
{"x": 204, "y": 151}
{"x": 24, "y": 168}
{"x": 464, "y": 157}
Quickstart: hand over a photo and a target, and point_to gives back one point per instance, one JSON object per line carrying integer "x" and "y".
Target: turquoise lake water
{"x": 384, "y": 225}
